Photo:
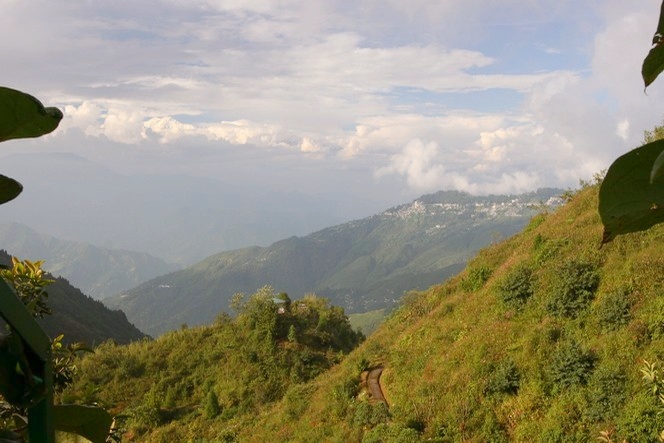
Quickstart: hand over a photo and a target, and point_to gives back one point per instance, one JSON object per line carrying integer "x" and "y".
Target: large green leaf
{"x": 653, "y": 65}
{"x": 629, "y": 200}
{"x": 23, "y": 116}
{"x": 9, "y": 189}
{"x": 90, "y": 422}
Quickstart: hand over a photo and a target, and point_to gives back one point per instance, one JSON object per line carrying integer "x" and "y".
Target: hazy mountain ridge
{"x": 178, "y": 218}
{"x": 98, "y": 272}
{"x": 360, "y": 265}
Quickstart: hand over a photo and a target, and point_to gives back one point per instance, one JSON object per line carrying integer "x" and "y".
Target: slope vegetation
{"x": 540, "y": 339}
{"x": 210, "y": 380}
{"x": 361, "y": 265}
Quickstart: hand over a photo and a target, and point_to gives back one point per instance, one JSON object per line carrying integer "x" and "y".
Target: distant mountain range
{"x": 79, "y": 317}
{"x": 180, "y": 219}
{"x": 98, "y": 272}
{"x": 361, "y": 265}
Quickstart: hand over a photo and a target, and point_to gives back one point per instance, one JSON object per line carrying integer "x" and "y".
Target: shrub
{"x": 577, "y": 283}
{"x": 613, "y": 310}
{"x": 475, "y": 278}
{"x": 212, "y": 408}
{"x": 391, "y": 433}
{"x": 505, "y": 379}
{"x": 368, "y": 415}
{"x": 605, "y": 393}
{"x": 517, "y": 287}
{"x": 343, "y": 394}
{"x": 640, "y": 419}
{"x": 571, "y": 365}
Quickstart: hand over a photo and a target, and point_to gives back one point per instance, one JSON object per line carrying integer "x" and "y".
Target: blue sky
{"x": 378, "y": 100}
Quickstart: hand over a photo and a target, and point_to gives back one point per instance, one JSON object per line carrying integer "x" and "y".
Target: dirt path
{"x": 373, "y": 385}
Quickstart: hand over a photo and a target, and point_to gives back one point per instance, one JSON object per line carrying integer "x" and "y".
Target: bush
{"x": 517, "y": 287}
{"x": 605, "y": 394}
{"x": 577, "y": 283}
{"x": 475, "y": 278}
{"x": 391, "y": 433}
{"x": 571, "y": 365}
{"x": 613, "y": 310}
{"x": 640, "y": 419}
{"x": 343, "y": 394}
{"x": 505, "y": 379}
{"x": 368, "y": 415}
{"x": 212, "y": 408}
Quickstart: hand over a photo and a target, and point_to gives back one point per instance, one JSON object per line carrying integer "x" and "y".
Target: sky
{"x": 378, "y": 101}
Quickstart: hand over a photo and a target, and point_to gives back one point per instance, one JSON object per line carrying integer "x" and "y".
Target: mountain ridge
{"x": 360, "y": 265}
{"x": 99, "y": 272}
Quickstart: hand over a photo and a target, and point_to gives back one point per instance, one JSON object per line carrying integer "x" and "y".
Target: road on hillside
{"x": 373, "y": 384}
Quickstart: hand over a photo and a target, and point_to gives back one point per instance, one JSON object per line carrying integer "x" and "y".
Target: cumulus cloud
{"x": 417, "y": 162}
{"x": 123, "y": 126}
{"x": 87, "y": 116}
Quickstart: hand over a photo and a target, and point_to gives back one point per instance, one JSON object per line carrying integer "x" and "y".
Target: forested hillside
{"x": 79, "y": 317}
{"x": 361, "y": 265}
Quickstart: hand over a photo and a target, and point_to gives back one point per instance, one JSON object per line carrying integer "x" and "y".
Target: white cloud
{"x": 417, "y": 162}
{"x": 87, "y": 116}
{"x": 308, "y": 145}
{"x": 123, "y": 126}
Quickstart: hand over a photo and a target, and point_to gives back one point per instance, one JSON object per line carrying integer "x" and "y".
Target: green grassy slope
{"x": 464, "y": 361}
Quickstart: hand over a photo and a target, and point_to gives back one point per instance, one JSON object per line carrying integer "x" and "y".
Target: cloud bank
{"x": 419, "y": 95}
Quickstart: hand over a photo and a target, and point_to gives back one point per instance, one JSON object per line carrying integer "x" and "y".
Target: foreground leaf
{"x": 653, "y": 65}
{"x": 628, "y": 200}
{"x": 9, "y": 189}
{"x": 23, "y": 116}
{"x": 90, "y": 422}
{"x": 657, "y": 168}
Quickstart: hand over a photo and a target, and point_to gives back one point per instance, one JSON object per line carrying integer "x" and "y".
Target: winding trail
{"x": 373, "y": 385}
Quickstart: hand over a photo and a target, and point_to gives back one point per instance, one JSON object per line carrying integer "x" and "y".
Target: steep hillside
{"x": 99, "y": 272}
{"x": 362, "y": 265}
{"x": 81, "y": 318}
{"x": 540, "y": 339}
